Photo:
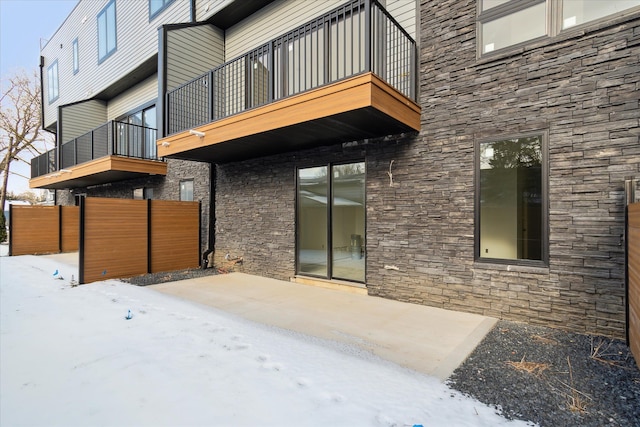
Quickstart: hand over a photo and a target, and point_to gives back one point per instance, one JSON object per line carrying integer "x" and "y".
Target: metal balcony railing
{"x": 355, "y": 38}
{"x": 111, "y": 138}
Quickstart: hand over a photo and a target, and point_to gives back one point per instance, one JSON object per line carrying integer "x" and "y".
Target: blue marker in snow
{"x": 129, "y": 315}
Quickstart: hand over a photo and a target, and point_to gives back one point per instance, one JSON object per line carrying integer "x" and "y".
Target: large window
{"x": 76, "y": 57}
{"x": 505, "y": 23}
{"x": 157, "y": 6}
{"x": 107, "y": 42}
{"x": 137, "y": 134}
{"x": 52, "y": 82}
{"x": 511, "y": 199}
{"x": 331, "y": 221}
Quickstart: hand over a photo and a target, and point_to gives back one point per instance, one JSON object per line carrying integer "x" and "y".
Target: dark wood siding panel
{"x": 115, "y": 238}
{"x": 70, "y": 228}
{"x": 634, "y": 280}
{"x": 34, "y": 230}
{"x": 175, "y": 235}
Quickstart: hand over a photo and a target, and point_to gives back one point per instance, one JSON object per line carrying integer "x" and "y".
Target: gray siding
{"x": 132, "y": 99}
{"x": 191, "y": 52}
{"x": 78, "y": 119}
{"x": 206, "y": 8}
{"x": 137, "y": 41}
{"x": 259, "y": 28}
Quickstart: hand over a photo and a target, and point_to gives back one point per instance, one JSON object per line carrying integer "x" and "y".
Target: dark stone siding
{"x": 164, "y": 188}
{"x": 581, "y": 89}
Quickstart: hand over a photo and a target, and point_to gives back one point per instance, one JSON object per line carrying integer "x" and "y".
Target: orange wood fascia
{"x": 103, "y": 164}
{"x": 346, "y": 95}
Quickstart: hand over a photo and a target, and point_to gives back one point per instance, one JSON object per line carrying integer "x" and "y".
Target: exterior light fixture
{"x": 196, "y": 133}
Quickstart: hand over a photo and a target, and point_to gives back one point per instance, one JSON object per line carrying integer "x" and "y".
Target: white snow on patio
{"x": 69, "y": 357}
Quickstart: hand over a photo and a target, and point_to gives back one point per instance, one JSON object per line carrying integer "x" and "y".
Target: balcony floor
{"x": 100, "y": 171}
{"x": 356, "y": 108}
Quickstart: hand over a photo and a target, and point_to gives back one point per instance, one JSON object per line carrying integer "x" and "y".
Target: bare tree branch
{"x": 21, "y": 135}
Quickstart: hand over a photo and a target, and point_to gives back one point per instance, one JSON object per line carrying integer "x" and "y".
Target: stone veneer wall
{"x": 164, "y": 188}
{"x": 582, "y": 89}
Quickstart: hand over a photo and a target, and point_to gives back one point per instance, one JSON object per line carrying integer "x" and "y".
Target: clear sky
{"x": 23, "y": 24}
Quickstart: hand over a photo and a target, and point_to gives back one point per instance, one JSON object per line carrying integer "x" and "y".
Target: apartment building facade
{"x": 469, "y": 155}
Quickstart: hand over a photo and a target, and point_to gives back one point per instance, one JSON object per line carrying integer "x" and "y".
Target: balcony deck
{"x": 359, "y": 107}
{"x": 100, "y": 171}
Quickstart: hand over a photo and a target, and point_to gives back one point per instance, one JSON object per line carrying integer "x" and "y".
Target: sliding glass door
{"x": 331, "y": 222}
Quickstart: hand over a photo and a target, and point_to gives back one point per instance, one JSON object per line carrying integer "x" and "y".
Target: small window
{"x": 52, "y": 81}
{"x": 142, "y": 193}
{"x": 186, "y": 191}
{"x": 576, "y": 12}
{"x": 107, "y": 42}
{"x": 76, "y": 57}
{"x": 511, "y": 197}
{"x": 157, "y": 6}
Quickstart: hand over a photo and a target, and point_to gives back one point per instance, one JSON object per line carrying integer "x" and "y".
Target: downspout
{"x": 162, "y": 82}
{"x": 212, "y": 217}
{"x": 193, "y": 11}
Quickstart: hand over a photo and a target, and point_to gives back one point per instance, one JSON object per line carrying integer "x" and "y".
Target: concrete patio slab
{"x": 426, "y": 339}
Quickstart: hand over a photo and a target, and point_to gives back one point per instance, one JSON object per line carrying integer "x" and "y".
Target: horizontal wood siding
{"x": 634, "y": 280}
{"x": 134, "y": 98}
{"x": 34, "y": 230}
{"x": 175, "y": 235}
{"x": 192, "y": 52}
{"x": 115, "y": 239}
{"x": 70, "y": 228}
{"x": 78, "y": 119}
{"x": 137, "y": 41}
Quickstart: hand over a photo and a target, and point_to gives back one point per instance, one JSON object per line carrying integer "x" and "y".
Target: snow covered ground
{"x": 69, "y": 357}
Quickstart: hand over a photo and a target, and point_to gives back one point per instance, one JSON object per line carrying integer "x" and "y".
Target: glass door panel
{"x": 347, "y": 222}
{"x": 312, "y": 221}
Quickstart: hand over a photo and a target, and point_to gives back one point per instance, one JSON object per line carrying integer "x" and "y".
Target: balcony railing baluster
{"x": 352, "y": 39}
{"x": 112, "y": 138}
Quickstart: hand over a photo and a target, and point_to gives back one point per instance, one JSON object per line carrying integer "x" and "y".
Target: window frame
{"x": 544, "y": 261}
{"x": 53, "y": 82}
{"x": 193, "y": 196}
{"x": 114, "y": 48}
{"x": 75, "y": 49}
{"x": 553, "y": 22}
{"x": 165, "y": 5}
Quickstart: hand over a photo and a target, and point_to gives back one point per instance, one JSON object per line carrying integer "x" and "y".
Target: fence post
{"x": 10, "y": 228}
{"x": 59, "y": 228}
{"x": 81, "y": 241}
{"x": 629, "y": 198}
{"x": 149, "y": 247}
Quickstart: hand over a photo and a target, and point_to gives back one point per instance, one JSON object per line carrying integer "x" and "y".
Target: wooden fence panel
{"x": 70, "y": 233}
{"x": 175, "y": 235}
{"x": 633, "y": 266}
{"x": 113, "y": 242}
{"x": 34, "y": 230}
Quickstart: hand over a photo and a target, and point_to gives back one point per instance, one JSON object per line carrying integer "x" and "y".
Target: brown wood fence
{"x": 633, "y": 274}
{"x": 38, "y": 230}
{"x": 124, "y": 237}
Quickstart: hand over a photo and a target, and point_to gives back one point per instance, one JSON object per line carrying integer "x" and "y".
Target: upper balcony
{"x": 112, "y": 152}
{"x": 350, "y": 74}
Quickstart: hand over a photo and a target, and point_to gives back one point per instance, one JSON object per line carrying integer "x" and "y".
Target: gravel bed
{"x": 552, "y": 377}
{"x": 170, "y": 276}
